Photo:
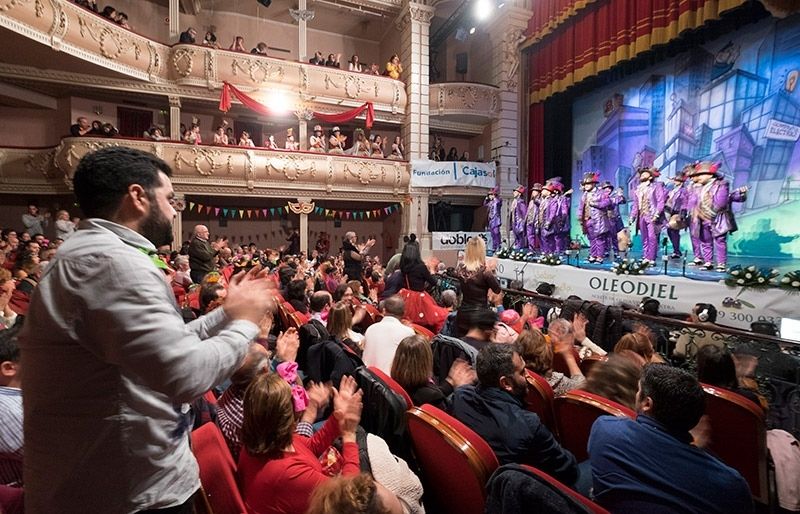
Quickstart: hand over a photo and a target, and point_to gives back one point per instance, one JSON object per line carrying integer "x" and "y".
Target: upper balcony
{"x": 217, "y": 170}
{"x": 463, "y": 106}
{"x": 78, "y": 32}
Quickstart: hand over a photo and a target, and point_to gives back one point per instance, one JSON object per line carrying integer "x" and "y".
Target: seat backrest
{"x": 575, "y": 413}
{"x": 540, "y": 400}
{"x": 328, "y": 360}
{"x": 739, "y": 437}
{"x": 422, "y": 331}
{"x": 217, "y": 470}
{"x": 522, "y": 488}
{"x": 384, "y": 410}
{"x": 393, "y": 385}
{"x": 455, "y": 462}
{"x": 560, "y": 365}
{"x": 588, "y": 363}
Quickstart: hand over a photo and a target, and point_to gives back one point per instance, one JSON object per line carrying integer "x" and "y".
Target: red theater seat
{"x": 540, "y": 400}
{"x": 575, "y": 413}
{"x": 456, "y": 463}
{"x": 586, "y": 502}
{"x": 739, "y": 437}
{"x": 393, "y": 385}
{"x": 217, "y": 471}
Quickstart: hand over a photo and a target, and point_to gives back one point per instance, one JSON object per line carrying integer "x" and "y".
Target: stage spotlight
{"x": 265, "y": 3}
{"x": 472, "y": 30}
{"x": 483, "y": 9}
{"x": 277, "y": 102}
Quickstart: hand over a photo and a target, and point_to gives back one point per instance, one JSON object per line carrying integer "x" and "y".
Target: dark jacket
{"x": 432, "y": 394}
{"x": 310, "y": 334}
{"x": 201, "y": 256}
{"x": 417, "y": 276}
{"x": 515, "y": 434}
{"x": 515, "y": 490}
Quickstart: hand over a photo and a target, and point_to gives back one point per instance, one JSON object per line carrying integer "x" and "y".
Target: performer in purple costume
{"x": 495, "y": 205}
{"x": 565, "y": 220}
{"x": 676, "y": 207}
{"x": 647, "y": 211}
{"x": 593, "y": 216}
{"x": 519, "y": 211}
{"x": 532, "y": 218}
{"x": 617, "y": 198}
{"x": 712, "y": 216}
{"x": 549, "y": 216}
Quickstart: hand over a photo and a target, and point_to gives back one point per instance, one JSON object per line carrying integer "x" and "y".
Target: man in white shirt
{"x": 11, "y": 447}
{"x": 110, "y": 364}
{"x": 382, "y": 339}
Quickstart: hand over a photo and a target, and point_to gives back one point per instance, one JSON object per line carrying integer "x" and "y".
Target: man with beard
{"x": 111, "y": 366}
{"x": 495, "y": 410}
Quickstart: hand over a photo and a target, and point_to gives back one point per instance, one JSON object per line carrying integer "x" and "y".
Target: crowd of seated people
{"x": 108, "y": 12}
{"x": 82, "y": 127}
{"x": 297, "y": 441}
{"x": 437, "y": 152}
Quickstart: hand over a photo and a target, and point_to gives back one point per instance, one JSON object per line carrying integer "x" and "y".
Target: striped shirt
{"x": 10, "y": 436}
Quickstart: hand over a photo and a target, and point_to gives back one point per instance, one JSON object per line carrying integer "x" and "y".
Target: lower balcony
{"x": 216, "y": 170}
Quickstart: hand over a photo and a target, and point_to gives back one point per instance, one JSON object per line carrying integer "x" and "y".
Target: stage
{"x": 677, "y": 293}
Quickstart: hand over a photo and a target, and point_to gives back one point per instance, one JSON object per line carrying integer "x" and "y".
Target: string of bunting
{"x": 272, "y": 212}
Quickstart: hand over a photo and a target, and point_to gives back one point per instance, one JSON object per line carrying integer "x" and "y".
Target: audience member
{"x": 393, "y": 67}
{"x": 11, "y": 439}
{"x": 201, "y": 254}
{"x": 333, "y": 60}
{"x": 616, "y": 378}
{"x": 238, "y": 45}
{"x": 649, "y": 464}
{"x": 689, "y": 341}
{"x": 64, "y": 227}
{"x": 7, "y": 286}
{"x": 315, "y": 331}
{"x": 452, "y": 155}
{"x": 538, "y": 356}
{"x": 210, "y": 39}
{"x": 246, "y": 140}
{"x": 412, "y": 368}
{"x": 476, "y": 280}
{"x": 382, "y": 339}
{"x": 481, "y": 326}
{"x": 279, "y": 469}
{"x": 340, "y": 322}
{"x": 354, "y": 64}
{"x": 82, "y": 127}
{"x": 34, "y": 221}
{"x": 296, "y": 295}
{"x": 359, "y": 494}
{"x": 495, "y": 410}
{"x": 122, "y": 20}
{"x": 398, "y": 149}
{"x": 716, "y": 367}
{"x": 125, "y": 446}
{"x": 353, "y": 254}
{"x": 109, "y": 13}
{"x": 89, "y": 4}
{"x": 318, "y": 59}
{"x": 260, "y": 49}
{"x": 188, "y": 36}
{"x": 639, "y": 344}
{"x": 193, "y": 136}
{"x": 220, "y": 137}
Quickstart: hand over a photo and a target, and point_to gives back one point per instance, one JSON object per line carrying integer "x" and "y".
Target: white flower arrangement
{"x": 630, "y": 266}
{"x": 551, "y": 259}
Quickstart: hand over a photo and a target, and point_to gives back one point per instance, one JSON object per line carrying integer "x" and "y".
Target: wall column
{"x": 506, "y": 32}
{"x": 174, "y": 19}
{"x": 302, "y": 16}
{"x": 175, "y": 118}
{"x": 304, "y": 226}
{"x": 177, "y": 222}
{"x": 414, "y": 24}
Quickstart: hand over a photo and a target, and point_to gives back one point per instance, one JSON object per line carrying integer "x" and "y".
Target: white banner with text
{"x": 453, "y": 174}
{"x": 676, "y": 294}
{"x": 455, "y": 240}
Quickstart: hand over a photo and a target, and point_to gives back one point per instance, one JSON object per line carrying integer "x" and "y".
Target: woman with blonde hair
{"x": 279, "y": 469}
{"x": 359, "y": 494}
{"x": 640, "y": 344}
{"x": 340, "y": 323}
{"x": 477, "y": 279}
{"x": 538, "y": 354}
{"x": 412, "y": 368}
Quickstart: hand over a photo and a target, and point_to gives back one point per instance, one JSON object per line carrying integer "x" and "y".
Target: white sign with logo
{"x": 782, "y": 131}
{"x": 453, "y": 174}
{"x": 455, "y": 240}
{"x": 676, "y": 294}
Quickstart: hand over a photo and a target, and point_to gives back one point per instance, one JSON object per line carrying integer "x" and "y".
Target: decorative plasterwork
{"x": 73, "y": 30}
{"x": 464, "y": 98}
{"x": 440, "y": 125}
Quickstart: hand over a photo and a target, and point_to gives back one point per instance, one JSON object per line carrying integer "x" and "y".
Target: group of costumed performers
{"x": 336, "y": 142}
{"x": 700, "y": 201}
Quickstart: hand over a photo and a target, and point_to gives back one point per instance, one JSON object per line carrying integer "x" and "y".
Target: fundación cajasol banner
{"x": 453, "y": 174}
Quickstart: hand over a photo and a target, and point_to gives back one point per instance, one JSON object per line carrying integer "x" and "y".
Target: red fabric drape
{"x": 536, "y": 144}
{"x": 548, "y": 15}
{"x": 612, "y": 32}
{"x": 254, "y": 105}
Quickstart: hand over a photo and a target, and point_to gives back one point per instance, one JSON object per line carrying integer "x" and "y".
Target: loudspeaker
{"x": 461, "y": 63}
{"x": 265, "y": 3}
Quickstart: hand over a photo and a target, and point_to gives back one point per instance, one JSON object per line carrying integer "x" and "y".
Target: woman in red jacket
{"x": 278, "y": 469}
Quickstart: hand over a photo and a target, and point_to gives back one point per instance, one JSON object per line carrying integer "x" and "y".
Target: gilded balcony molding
{"x": 71, "y": 29}
{"x": 247, "y": 171}
{"x": 478, "y": 103}
{"x": 30, "y": 170}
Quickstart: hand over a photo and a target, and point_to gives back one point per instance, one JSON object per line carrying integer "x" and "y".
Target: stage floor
{"x": 676, "y": 292}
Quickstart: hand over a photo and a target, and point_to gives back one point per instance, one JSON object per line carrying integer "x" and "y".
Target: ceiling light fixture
{"x": 483, "y": 9}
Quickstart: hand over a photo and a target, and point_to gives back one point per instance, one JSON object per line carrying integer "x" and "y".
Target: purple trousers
{"x": 562, "y": 243}
{"x": 549, "y": 243}
{"x": 497, "y": 241}
{"x": 709, "y": 244}
{"x": 519, "y": 238}
{"x": 649, "y": 231}
{"x": 533, "y": 236}
{"x": 675, "y": 238}
{"x": 598, "y": 245}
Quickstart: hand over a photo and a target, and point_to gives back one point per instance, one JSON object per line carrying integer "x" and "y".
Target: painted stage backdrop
{"x": 735, "y": 100}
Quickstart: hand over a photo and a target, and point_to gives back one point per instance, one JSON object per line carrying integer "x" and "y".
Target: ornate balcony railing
{"x": 71, "y": 29}
{"x": 234, "y": 170}
{"x": 465, "y": 101}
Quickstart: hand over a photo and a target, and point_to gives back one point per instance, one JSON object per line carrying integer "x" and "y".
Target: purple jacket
{"x": 592, "y": 213}
{"x": 550, "y": 216}
{"x": 648, "y": 202}
{"x": 519, "y": 211}
{"x": 677, "y": 200}
{"x": 495, "y": 207}
{"x": 713, "y": 204}
{"x": 533, "y": 211}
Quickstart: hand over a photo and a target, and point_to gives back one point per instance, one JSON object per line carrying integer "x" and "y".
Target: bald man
{"x": 201, "y": 255}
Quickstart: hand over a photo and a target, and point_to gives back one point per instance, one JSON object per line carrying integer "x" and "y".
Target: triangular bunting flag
{"x": 368, "y": 214}
{"x": 191, "y": 206}
{"x": 241, "y": 213}
{"x": 224, "y": 213}
{"x": 286, "y": 208}
{"x": 208, "y": 209}
{"x": 249, "y": 213}
{"x": 348, "y": 214}
{"x": 216, "y": 211}
{"x": 327, "y": 212}
{"x": 272, "y": 211}
{"x": 265, "y": 212}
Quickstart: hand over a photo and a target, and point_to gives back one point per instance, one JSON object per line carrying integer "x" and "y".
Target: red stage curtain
{"x": 254, "y": 105}
{"x": 536, "y": 144}
{"x": 614, "y": 31}
{"x": 549, "y": 14}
